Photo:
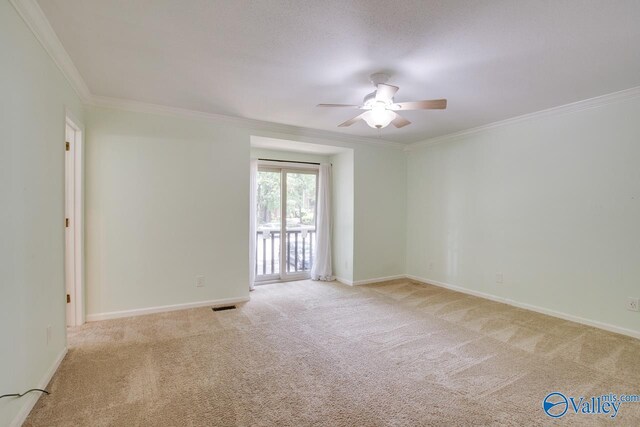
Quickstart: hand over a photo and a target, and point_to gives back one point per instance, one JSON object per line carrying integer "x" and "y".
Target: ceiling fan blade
{"x": 351, "y": 121}
{"x": 385, "y": 92}
{"x": 338, "y": 105}
{"x": 433, "y": 104}
{"x": 400, "y": 121}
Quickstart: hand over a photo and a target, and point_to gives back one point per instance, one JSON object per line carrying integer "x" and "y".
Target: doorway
{"x": 73, "y": 222}
{"x": 286, "y": 220}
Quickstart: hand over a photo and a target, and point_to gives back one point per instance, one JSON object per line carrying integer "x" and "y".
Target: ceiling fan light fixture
{"x": 381, "y": 107}
{"x": 378, "y": 116}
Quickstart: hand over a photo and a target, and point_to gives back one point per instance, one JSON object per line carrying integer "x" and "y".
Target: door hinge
{"x": 66, "y": 222}
{"x": 68, "y": 298}
{"x": 67, "y": 146}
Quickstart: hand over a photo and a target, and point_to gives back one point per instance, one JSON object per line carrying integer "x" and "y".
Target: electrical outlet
{"x": 633, "y": 304}
{"x": 430, "y": 265}
{"x": 200, "y": 281}
{"x": 499, "y": 278}
{"x": 48, "y": 334}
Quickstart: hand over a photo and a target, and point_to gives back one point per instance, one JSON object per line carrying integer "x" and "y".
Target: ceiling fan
{"x": 381, "y": 108}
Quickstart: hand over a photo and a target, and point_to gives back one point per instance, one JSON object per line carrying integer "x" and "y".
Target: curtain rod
{"x": 290, "y": 161}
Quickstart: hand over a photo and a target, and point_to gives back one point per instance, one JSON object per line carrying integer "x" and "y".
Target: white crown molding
{"x": 574, "y": 107}
{"x": 252, "y": 124}
{"x": 36, "y": 20}
{"x": 38, "y": 23}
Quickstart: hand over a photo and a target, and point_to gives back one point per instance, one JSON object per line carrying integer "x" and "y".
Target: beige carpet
{"x": 317, "y": 354}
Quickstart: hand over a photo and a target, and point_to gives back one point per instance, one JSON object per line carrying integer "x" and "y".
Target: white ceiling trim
{"x": 573, "y": 107}
{"x": 36, "y": 20}
{"x": 251, "y": 124}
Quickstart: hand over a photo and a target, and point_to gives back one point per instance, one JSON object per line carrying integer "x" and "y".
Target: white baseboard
{"x": 30, "y": 400}
{"x": 378, "y": 280}
{"x": 548, "y": 312}
{"x": 160, "y": 309}
{"x": 370, "y": 281}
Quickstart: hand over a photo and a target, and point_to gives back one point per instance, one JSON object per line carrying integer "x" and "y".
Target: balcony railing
{"x": 298, "y": 251}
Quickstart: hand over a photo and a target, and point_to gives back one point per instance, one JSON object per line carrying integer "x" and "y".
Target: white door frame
{"x": 74, "y": 211}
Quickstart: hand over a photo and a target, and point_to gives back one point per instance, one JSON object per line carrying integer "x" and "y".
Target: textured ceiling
{"x": 275, "y": 60}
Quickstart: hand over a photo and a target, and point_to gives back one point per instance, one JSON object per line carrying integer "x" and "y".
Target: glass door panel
{"x": 269, "y": 219}
{"x": 300, "y": 222}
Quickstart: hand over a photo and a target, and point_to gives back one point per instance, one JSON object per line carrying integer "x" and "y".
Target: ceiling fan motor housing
{"x": 369, "y": 99}
{"x": 377, "y": 78}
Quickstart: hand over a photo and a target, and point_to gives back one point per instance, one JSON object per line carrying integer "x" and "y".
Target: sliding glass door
{"x": 286, "y": 222}
{"x": 300, "y": 222}
{"x": 269, "y": 224}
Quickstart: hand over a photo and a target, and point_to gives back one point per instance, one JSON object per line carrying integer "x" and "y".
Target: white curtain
{"x": 321, "y": 269}
{"x": 253, "y": 204}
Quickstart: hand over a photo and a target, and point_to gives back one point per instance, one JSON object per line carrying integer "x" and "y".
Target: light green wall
{"x": 167, "y": 201}
{"x": 32, "y": 113}
{"x": 343, "y": 202}
{"x": 380, "y": 213}
{"x": 553, "y": 203}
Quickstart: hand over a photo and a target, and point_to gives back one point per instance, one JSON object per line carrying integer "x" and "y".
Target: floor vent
{"x": 224, "y": 307}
